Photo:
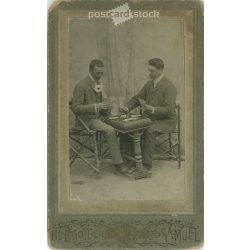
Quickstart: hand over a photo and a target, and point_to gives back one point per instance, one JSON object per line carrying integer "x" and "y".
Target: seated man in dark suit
{"x": 90, "y": 104}
{"x": 157, "y": 99}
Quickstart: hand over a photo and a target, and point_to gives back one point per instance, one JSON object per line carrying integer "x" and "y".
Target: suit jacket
{"x": 163, "y": 99}
{"x": 84, "y": 100}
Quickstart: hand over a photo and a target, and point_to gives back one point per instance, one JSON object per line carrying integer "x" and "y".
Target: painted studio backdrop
{"x": 125, "y": 50}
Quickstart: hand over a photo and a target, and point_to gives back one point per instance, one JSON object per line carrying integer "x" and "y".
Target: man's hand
{"x": 103, "y": 105}
{"x": 124, "y": 110}
{"x": 147, "y": 108}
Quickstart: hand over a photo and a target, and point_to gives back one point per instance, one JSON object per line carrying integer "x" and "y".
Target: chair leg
{"x": 96, "y": 153}
{"x": 72, "y": 159}
{"x": 99, "y": 143}
{"x": 172, "y": 152}
{"x": 170, "y": 140}
{"x": 179, "y": 155}
{"x": 73, "y": 154}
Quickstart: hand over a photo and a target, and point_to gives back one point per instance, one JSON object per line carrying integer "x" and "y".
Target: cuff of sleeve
{"x": 95, "y": 109}
{"x": 153, "y": 111}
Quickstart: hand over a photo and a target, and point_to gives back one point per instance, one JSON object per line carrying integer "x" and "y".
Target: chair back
{"x": 178, "y": 113}
{"x": 71, "y": 116}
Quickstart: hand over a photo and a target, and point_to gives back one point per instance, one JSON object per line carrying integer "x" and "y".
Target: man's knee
{"x": 103, "y": 127}
{"x": 109, "y": 130}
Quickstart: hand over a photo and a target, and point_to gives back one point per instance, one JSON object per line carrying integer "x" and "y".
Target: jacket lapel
{"x": 158, "y": 85}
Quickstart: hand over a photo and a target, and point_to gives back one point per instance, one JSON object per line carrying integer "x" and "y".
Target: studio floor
{"x": 166, "y": 183}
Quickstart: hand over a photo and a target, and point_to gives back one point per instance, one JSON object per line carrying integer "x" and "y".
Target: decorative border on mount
{"x": 87, "y": 233}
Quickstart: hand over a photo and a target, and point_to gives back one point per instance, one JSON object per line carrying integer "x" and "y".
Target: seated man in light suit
{"x": 157, "y": 99}
{"x": 89, "y": 104}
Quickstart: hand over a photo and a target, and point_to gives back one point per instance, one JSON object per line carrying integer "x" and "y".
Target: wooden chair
{"x": 86, "y": 144}
{"x": 166, "y": 149}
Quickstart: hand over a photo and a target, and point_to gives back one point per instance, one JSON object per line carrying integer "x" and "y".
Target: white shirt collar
{"x": 157, "y": 80}
{"x": 91, "y": 77}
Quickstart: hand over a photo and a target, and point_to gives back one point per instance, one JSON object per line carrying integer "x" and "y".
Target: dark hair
{"x": 156, "y": 62}
{"x": 95, "y": 63}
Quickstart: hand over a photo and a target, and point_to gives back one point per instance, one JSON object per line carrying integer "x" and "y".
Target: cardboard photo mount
{"x": 77, "y": 225}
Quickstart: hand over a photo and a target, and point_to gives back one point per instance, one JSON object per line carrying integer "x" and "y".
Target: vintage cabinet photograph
{"x": 125, "y": 124}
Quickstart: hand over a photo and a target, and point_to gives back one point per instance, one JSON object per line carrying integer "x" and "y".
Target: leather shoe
{"x": 123, "y": 168}
{"x": 147, "y": 167}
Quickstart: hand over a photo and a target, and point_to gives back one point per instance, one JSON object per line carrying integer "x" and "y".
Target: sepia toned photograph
{"x": 128, "y": 108}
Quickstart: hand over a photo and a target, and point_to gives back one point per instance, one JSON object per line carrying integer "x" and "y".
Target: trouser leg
{"x": 148, "y": 146}
{"x": 112, "y": 139}
{"x": 127, "y": 147}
